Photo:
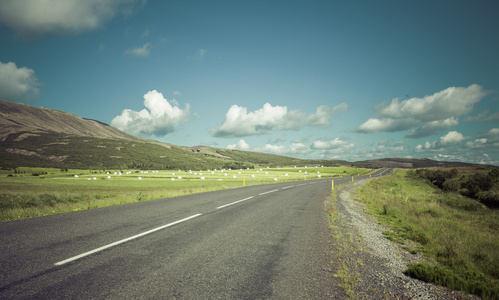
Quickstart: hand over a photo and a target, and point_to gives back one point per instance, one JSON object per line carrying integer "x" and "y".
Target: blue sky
{"x": 351, "y": 80}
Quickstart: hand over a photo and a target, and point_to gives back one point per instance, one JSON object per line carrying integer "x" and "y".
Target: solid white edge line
{"x": 234, "y": 202}
{"x": 122, "y": 241}
{"x": 267, "y": 192}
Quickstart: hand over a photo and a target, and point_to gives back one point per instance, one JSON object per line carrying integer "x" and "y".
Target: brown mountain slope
{"x": 16, "y": 117}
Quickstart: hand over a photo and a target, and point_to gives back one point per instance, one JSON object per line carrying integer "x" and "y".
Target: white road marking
{"x": 122, "y": 241}
{"x": 302, "y": 184}
{"x": 268, "y": 192}
{"x": 234, "y": 202}
{"x": 287, "y": 187}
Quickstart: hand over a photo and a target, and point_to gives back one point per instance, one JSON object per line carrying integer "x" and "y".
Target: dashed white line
{"x": 302, "y": 184}
{"x": 123, "y": 241}
{"x": 268, "y": 192}
{"x": 234, "y": 202}
{"x": 287, "y": 187}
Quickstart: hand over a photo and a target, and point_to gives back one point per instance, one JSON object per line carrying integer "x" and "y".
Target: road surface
{"x": 256, "y": 242}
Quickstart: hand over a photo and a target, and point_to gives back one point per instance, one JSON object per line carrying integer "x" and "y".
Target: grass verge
{"x": 458, "y": 233}
{"x": 347, "y": 244}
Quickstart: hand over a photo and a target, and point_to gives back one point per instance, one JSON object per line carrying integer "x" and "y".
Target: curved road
{"x": 257, "y": 242}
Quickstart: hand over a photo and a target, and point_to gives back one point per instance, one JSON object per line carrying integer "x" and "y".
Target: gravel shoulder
{"x": 369, "y": 265}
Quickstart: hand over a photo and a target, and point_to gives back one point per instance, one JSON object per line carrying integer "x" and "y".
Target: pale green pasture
{"x": 23, "y": 195}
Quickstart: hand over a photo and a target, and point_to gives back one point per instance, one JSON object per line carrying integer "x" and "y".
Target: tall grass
{"x": 456, "y": 232}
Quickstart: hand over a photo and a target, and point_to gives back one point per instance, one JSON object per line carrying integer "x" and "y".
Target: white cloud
{"x": 336, "y": 143}
{"x": 451, "y": 139}
{"x": 241, "y": 145}
{"x": 143, "y": 51}
{"x": 159, "y": 118}
{"x": 386, "y": 124}
{"x": 292, "y": 149}
{"x": 492, "y": 134}
{"x": 239, "y": 122}
{"x": 488, "y": 140}
{"x": 484, "y": 117}
{"x": 433, "y": 112}
{"x": 478, "y": 143}
{"x": 18, "y": 84}
{"x": 333, "y": 147}
{"x": 33, "y": 19}
{"x": 433, "y": 127}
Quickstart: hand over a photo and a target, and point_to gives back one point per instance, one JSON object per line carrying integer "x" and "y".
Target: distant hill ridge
{"x": 16, "y": 117}
{"x": 42, "y": 137}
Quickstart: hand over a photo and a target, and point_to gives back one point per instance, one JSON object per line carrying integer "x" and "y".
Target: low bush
{"x": 479, "y": 185}
{"x": 489, "y": 198}
{"x": 471, "y": 282}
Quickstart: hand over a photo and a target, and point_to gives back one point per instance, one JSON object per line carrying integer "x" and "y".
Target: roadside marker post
{"x": 332, "y": 184}
{"x": 352, "y": 178}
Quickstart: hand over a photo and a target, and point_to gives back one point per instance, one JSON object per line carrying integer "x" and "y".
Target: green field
{"x": 458, "y": 234}
{"x": 29, "y": 192}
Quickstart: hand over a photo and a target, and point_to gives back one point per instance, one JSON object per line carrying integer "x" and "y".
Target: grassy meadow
{"x": 29, "y": 192}
{"x": 458, "y": 234}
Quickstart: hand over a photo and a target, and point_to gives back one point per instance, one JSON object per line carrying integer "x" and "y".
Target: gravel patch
{"x": 375, "y": 265}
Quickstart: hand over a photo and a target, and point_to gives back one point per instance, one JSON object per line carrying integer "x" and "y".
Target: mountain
{"x": 42, "y": 137}
{"x": 22, "y": 118}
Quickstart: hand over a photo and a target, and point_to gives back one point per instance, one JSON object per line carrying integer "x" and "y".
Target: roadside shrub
{"x": 452, "y": 185}
{"x": 470, "y": 282}
{"x": 436, "y": 177}
{"x": 478, "y": 182}
{"x": 459, "y": 202}
{"x": 489, "y": 199}
{"x": 478, "y": 186}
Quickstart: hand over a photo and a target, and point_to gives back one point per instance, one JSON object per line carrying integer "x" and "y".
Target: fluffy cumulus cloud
{"x": 18, "y": 84}
{"x": 452, "y": 138}
{"x": 488, "y": 140}
{"x": 432, "y": 127}
{"x": 430, "y": 114}
{"x": 294, "y": 148}
{"x": 143, "y": 51}
{"x": 239, "y": 122}
{"x": 159, "y": 118}
{"x": 37, "y": 18}
{"x": 334, "y": 146}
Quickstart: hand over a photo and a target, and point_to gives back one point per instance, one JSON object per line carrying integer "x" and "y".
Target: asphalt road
{"x": 256, "y": 242}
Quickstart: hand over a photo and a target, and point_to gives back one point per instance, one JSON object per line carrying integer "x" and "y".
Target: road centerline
{"x": 267, "y": 192}
{"x": 62, "y": 262}
{"x": 234, "y": 202}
